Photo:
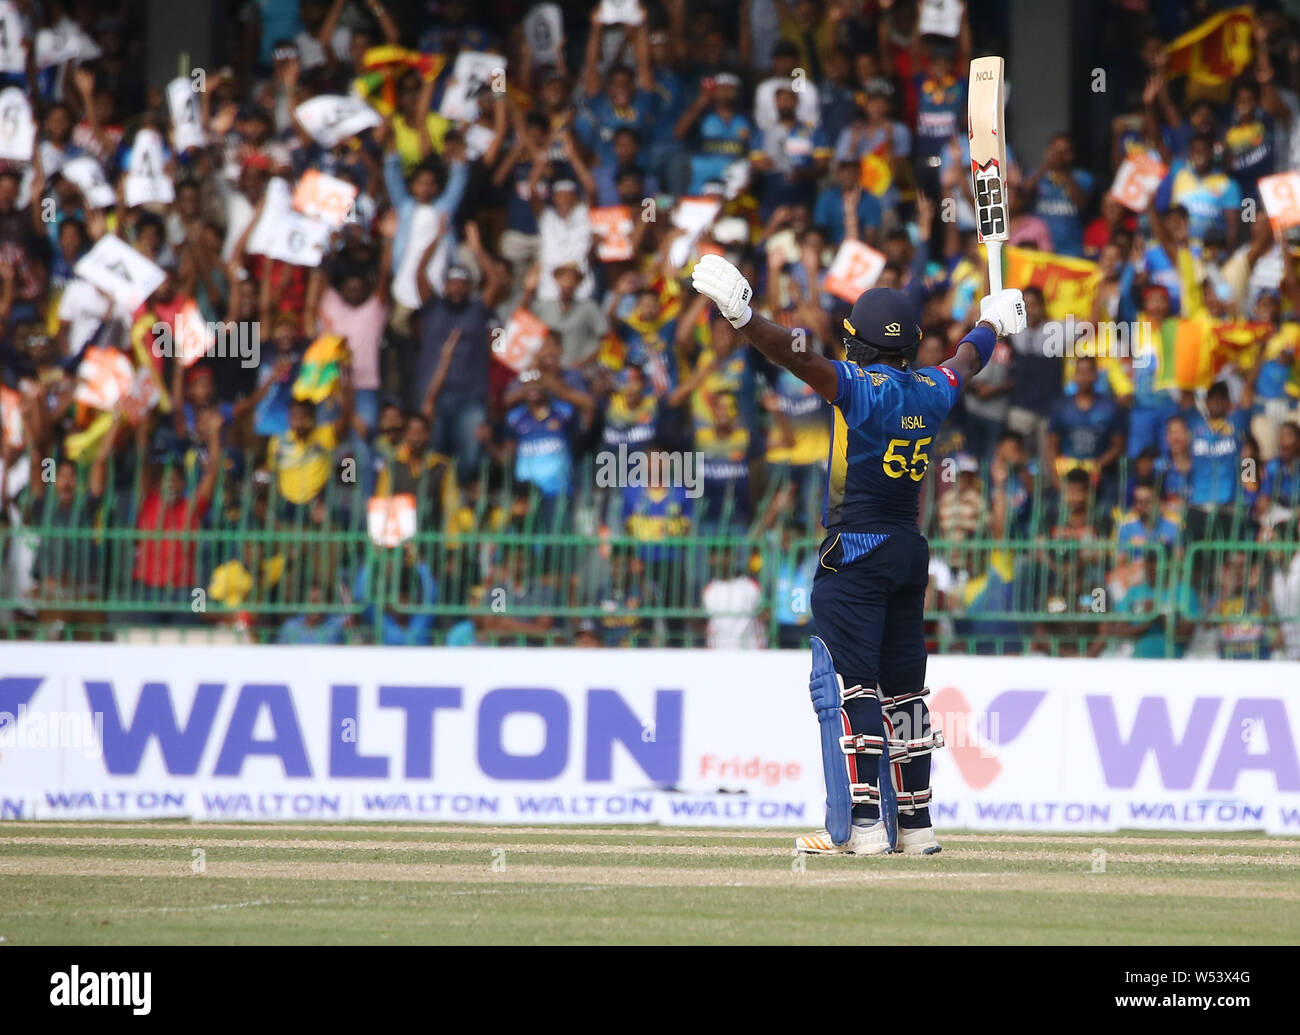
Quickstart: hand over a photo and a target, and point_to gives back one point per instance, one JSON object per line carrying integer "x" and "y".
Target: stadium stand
{"x": 485, "y": 408}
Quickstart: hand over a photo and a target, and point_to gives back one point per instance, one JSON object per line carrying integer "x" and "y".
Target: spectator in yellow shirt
{"x": 302, "y": 458}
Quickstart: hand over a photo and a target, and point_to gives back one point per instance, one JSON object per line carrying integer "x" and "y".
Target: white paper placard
{"x": 17, "y": 128}
{"x": 473, "y": 69}
{"x": 426, "y": 221}
{"x": 187, "y": 123}
{"x": 621, "y": 12}
{"x": 544, "y": 30}
{"x": 64, "y": 42}
{"x": 941, "y": 17}
{"x": 12, "y": 56}
{"x": 694, "y": 215}
{"x": 278, "y": 201}
{"x": 333, "y": 117}
{"x": 297, "y": 240}
{"x": 88, "y": 175}
{"x": 84, "y": 308}
{"x": 120, "y": 271}
{"x": 147, "y": 181}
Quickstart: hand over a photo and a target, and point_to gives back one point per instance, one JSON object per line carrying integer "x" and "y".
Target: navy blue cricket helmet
{"x": 882, "y": 324}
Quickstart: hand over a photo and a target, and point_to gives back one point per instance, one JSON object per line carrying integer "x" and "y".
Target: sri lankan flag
{"x": 1068, "y": 285}
{"x": 1216, "y": 51}
{"x": 320, "y": 368}
{"x": 381, "y": 68}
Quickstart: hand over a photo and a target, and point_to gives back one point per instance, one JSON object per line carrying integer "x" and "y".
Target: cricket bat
{"x": 988, "y": 162}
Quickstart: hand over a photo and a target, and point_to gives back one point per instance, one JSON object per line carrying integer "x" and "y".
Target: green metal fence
{"x": 501, "y": 570}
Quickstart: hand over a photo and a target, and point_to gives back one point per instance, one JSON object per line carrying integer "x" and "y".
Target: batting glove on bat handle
{"x": 1005, "y": 311}
{"x": 717, "y": 279}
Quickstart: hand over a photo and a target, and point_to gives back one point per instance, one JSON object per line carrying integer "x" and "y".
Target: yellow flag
{"x": 1068, "y": 285}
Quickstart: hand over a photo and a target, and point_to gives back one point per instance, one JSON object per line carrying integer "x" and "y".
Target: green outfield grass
{"x": 181, "y": 883}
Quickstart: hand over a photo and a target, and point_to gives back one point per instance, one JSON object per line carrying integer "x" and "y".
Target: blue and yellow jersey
{"x": 653, "y": 514}
{"x": 1134, "y": 534}
{"x": 725, "y": 468}
{"x": 651, "y": 345}
{"x": 805, "y": 416}
{"x": 733, "y": 376}
{"x": 884, "y": 422}
{"x": 632, "y": 425}
{"x": 1282, "y": 482}
{"x": 1205, "y": 197}
{"x": 543, "y": 455}
{"x": 940, "y": 105}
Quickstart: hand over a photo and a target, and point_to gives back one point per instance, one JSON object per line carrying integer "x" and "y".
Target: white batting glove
{"x": 716, "y": 278}
{"x": 1005, "y": 311}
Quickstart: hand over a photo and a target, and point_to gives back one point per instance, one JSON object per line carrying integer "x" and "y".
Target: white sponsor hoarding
{"x": 576, "y": 736}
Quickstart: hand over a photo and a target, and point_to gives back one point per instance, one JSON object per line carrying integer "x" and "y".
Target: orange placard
{"x": 856, "y": 268}
{"x": 391, "y": 519}
{"x": 613, "y": 229}
{"x": 11, "y": 416}
{"x": 141, "y": 399}
{"x": 517, "y": 343}
{"x": 191, "y": 335}
{"x": 1137, "y": 179}
{"x": 324, "y": 197}
{"x": 104, "y": 376}
{"x": 1281, "y": 196}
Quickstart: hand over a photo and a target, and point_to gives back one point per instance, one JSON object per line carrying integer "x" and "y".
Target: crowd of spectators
{"x": 500, "y": 326}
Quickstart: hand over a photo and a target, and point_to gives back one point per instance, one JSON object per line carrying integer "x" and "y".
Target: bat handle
{"x": 994, "y": 250}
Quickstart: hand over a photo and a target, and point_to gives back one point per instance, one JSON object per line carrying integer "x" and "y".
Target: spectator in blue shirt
{"x": 724, "y": 134}
{"x": 629, "y": 98}
{"x": 1060, "y": 194}
{"x": 790, "y": 158}
{"x": 407, "y": 617}
{"x": 313, "y": 626}
{"x": 845, "y": 209}
{"x": 1145, "y": 525}
{"x": 1281, "y": 483}
{"x": 1217, "y": 441}
{"x": 539, "y": 441}
{"x": 668, "y": 161}
{"x": 1086, "y": 429}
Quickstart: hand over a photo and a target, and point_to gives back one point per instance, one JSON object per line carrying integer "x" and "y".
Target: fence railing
{"x": 498, "y": 564}
{"x": 297, "y": 584}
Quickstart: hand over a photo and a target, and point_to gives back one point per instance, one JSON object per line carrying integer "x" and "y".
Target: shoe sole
{"x": 841, "y": 851}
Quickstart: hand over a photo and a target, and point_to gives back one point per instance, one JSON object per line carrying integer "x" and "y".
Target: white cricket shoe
{"x": 918, "y": 841}
{"x": 863, "y": 840}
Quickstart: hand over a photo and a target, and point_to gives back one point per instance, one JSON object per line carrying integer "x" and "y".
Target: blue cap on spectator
{"x": 457, "y": 272}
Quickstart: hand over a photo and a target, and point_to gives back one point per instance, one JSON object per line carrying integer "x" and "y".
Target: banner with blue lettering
{"x": 579, "y": 736}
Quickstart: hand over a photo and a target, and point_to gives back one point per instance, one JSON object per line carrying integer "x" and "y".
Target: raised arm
{"x": 720, "y": 281}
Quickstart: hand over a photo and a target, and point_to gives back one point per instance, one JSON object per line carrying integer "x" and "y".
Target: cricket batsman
{"x": 869, "y": 593}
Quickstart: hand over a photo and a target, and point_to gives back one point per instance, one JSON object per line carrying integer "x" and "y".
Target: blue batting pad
{"x": 824, "y": 686}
